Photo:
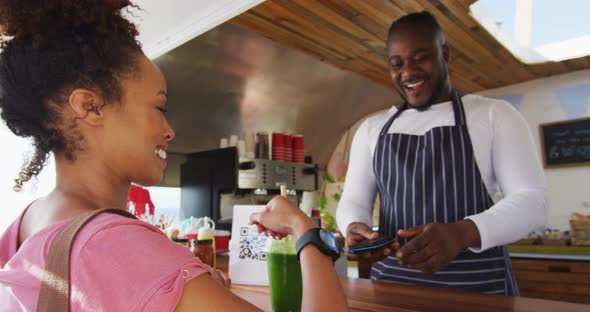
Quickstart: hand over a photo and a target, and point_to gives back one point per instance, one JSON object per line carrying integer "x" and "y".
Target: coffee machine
{"x": 213, "y": 181}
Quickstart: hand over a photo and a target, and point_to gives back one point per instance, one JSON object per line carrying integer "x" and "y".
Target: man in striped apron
{"x": 420, "y": 169}
{"x": 428, "y": 183}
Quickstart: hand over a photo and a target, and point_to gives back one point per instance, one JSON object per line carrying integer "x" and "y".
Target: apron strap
{"x": 392, "y": 118}
{"x": 458, "y": 109}
{"x": 55, "y": 291}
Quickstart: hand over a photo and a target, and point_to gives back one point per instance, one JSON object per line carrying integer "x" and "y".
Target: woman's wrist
{"x": 302, "y": 225}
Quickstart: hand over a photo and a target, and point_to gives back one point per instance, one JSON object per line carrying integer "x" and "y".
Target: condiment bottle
{"x": 208, "y": 233}
{"x": 203, "y": 249}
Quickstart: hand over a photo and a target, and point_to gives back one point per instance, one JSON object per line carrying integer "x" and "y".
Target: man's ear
{"x": 87, "y": 106}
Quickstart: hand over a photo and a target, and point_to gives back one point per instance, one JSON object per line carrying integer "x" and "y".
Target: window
{"x": 537, "y": 31}
{"x": 166, "y": 200}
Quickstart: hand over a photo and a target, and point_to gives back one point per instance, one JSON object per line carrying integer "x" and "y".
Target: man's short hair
{"x": 423, "y": 18}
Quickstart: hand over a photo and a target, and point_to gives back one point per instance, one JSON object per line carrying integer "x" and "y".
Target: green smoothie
{"x": 284, "y": 275}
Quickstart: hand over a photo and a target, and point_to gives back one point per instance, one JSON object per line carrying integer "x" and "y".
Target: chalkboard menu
{"x": 566, "y": 143}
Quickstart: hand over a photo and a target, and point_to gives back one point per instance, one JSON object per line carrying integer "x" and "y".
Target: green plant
{"x": 327, "y": 218}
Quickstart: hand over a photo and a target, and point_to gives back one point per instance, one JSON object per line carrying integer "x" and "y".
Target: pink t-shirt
{"x": 117, "y": 264}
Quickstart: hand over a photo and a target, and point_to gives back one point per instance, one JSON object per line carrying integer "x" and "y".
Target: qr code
{"x": 252, "y": 244}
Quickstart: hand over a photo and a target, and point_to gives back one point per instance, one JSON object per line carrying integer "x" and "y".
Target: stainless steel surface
{"x": 269, "y": 174}
{"x": 213, "y": 181}
{"x": 232, "y": 81}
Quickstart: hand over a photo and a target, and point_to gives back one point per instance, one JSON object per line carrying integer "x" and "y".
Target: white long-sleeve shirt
{"x": 504, "y": 152}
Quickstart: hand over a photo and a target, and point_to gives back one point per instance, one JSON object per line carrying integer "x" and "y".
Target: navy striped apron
{"x": 434, "y": 178}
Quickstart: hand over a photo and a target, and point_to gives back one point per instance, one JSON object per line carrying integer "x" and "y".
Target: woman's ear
{"x": 87, "y": 106}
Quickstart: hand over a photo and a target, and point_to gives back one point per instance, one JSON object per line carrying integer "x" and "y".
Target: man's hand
{"x": 434, "y": 245}
{"x": 358, "y": 232}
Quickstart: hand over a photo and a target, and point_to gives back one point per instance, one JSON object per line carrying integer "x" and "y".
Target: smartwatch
{"x": 322, "y": 239}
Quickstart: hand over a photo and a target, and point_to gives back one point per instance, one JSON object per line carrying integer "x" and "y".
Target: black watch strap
{"x": 312, "y": 236}
{"x": 304, "y": 240}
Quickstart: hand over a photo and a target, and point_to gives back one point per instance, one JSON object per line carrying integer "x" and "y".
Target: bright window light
{"x": 536, "y": 31}
{"x": 13, "y": 203}
{"x": 166, "y": 200}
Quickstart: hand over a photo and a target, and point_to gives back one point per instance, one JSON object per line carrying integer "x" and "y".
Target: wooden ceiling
{"x": 351, "y": 34}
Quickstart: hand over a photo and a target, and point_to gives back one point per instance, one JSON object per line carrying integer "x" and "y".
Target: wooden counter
{"x": 368, "y": 295}
{"x": 547, "y": 252}
{"x": 562, "y": 280}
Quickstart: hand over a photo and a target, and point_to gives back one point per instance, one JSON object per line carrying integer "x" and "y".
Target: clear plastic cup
{"x": 284, "y": 274}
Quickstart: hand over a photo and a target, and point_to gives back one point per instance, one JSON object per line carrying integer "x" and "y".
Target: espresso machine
{"x": 213, "y": 181}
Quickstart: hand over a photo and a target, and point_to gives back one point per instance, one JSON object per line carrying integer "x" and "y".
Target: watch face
{"x": 328, "y": 239}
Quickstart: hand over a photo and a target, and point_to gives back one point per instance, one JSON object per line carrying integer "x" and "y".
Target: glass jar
{"x": 203, "y": 249}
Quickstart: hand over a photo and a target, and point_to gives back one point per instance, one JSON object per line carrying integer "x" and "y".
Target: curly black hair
{"x": 50, "y": 48}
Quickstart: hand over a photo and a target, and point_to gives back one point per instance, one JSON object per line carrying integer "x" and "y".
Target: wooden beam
{"x": 462, "y": 13}
{"x": 304, "y": 22}
{"x": 382, "y": 12}
{"x": 252, "y": 21}
{"x": 547, "y": 69}
{"x": 469, "y": 63}
{"x": 407, "y": 6}
{"x": 460, "y": 67}
{"x": 309, "y": 24}
{"x": 465, "y": 3}
{"x": 302, "y": 28}
{"x": 464, "y": 85}
{"x": 324, "y": 15}
{"x": 579, "y": 63}
{"x": 255, "y": 22}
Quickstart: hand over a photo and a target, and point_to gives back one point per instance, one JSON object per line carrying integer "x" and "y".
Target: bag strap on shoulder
{"x": 54, "y": 294}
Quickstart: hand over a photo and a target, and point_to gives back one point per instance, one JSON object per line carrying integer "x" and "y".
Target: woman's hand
{"x": 280, "y": 218}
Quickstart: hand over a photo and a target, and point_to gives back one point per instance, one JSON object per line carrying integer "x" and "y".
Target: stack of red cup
{"x": 298, "y": 148}
{"x": 278, "y": 146}
{"x": 288, "y": 147}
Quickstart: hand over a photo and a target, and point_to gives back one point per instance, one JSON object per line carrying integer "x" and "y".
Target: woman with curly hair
{"x": 75, "y": 81}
